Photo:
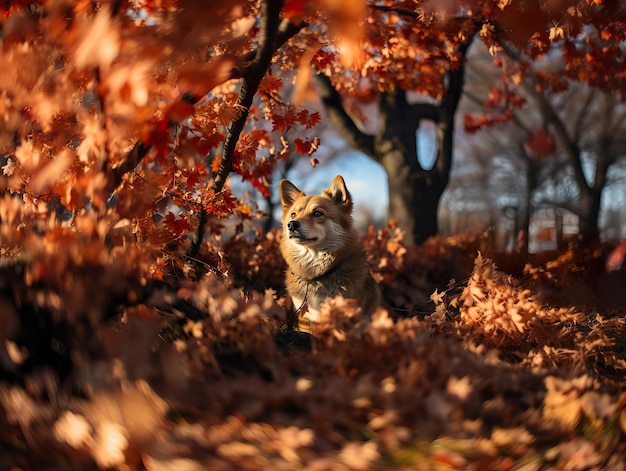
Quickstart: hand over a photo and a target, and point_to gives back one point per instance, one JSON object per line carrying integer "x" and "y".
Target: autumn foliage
{"x": 494, "y": 370}
{"x": 142, "y": 317}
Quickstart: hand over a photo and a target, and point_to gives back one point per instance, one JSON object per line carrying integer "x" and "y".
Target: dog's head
{"x": 321, "y": 222}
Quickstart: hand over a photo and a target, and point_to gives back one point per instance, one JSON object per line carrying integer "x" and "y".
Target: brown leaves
{"x": 492, "y": 302}
{"x": 230, "y": 395}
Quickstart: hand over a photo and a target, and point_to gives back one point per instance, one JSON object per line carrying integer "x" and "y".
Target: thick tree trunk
{"x": 589, "y": 217}
{"x": 413, "y": 198}
{"x": 414, "y": 191}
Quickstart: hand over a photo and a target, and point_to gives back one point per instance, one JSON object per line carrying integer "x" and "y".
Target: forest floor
{"x": 478, "y": 360}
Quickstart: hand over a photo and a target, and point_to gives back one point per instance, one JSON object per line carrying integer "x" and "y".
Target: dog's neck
{"x": 333, "y": 268}
{"x": 319, "y": 265}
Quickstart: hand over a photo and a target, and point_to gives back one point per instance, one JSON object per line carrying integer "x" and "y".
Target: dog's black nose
{"x": 293, "y": 225}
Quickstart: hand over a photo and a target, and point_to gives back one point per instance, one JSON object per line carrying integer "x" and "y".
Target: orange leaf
{"x": 222, "y": 204}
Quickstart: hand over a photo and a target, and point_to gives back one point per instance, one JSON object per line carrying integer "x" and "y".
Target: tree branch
{"x": 579, "y": 125}
{"x": 130, "y": 163}
{"x": 447, "y": 110}
{"x": 268, "y": 34}
{"x": 347, "y": 126}
{"x": 572, "y": 151}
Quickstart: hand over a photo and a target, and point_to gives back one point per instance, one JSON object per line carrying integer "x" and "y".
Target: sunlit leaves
{"x": 556, "y": 33}
{"x": 97, "y": 42}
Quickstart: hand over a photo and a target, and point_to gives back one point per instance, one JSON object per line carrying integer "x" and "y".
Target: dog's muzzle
{"x": 293, "y": 227}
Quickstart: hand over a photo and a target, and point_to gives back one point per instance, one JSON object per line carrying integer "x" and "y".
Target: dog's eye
{"x": 293, "y": 215}
{"x": 317, "y": 214}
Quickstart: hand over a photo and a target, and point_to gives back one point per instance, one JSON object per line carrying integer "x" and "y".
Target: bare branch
{"x": 579, "y": 125}
{"x": 447, "y": 110}
{"x": 347, "y": 126}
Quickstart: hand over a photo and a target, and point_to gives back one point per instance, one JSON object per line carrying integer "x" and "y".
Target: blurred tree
{"x": 421, "y": 47}
{"x": 562, "y": 142}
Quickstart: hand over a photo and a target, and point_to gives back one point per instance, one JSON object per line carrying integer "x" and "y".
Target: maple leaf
{"x": 285, "y": 121}
{"x": 221, "y": 204}
{"x": 307, "y": 119}
{"x": 556, "y": 33}
{"x": 313, "y": 119}
{"x": 437, "y": 297}
{"x": 227, "y": 112}
{"x": 216, "y": 163}
{"x": 194, "y": 175}
{"x": 306, "y": 147}
{"x": 177, "y": 226}
{"x": 245, "y": 157}
{"x": 271, "y": 84}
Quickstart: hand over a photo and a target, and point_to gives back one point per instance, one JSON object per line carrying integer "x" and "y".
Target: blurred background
{"x": 504, "y": 176}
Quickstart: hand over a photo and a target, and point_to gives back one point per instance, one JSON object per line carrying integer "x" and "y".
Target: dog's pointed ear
{"x": 338, "y": 192}
{"x": 288, "y": 193}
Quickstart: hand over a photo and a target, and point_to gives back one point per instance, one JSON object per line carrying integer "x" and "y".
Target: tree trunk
{"x": 414, "y": 192}
{"x": 588, "y": 209}
{"x": 589, "y": 217}
{"x": 532, "y": 177}
{"x": 413, "y": 200}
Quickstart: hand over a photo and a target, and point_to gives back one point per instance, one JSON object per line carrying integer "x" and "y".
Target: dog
{"x": 322, "y": 251}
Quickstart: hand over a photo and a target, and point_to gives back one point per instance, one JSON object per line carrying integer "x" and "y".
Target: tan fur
{"x": 321, "y": 248}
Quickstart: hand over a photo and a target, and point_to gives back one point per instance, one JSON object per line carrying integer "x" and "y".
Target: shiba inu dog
{"x": 322, "y": 251}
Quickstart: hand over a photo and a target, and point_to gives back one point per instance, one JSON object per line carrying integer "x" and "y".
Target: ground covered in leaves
{"x": 478, "y": 360}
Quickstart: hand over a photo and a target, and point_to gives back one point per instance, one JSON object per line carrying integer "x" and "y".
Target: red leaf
{"x": 203, "y": 144}
{"x": 293, "y": 10}
{"x": 176, "y": 226}
{"x": 541, "y": 143}
{"x": 283, "y": 122}
{"x": 309, "y": 120}
{"x": 160, "y": 138}
{"x": 194, "y": 175}
{"x": 306, "y": 147}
